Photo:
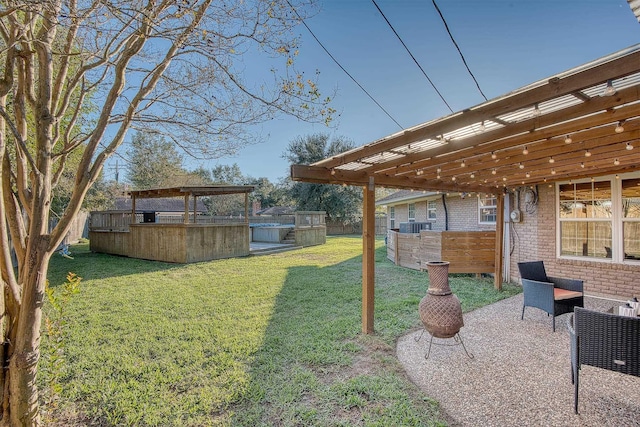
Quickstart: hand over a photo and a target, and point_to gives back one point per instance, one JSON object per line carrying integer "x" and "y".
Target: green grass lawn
{"x": 270, "y": 340}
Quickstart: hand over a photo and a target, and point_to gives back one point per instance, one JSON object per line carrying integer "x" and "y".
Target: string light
{"x": 482, "y": 126}
{"x": 463, "y": 164}
{"x": 620, "y": 128}
{"x": 453, "y": 178}
{"x": 438, "y": 176}
{"x": 494, "y": 155}
{"x": 582, "y": 165}
{"x": 528, "y": 175}
{"x": 520, "y": 165}
{"x": 504, "y": 178}
{"x": 333, "y": 171}
{"x": 587, "y": 153}
{"x": 493, "y": 172}
{"x": 553, "y": 171}
{"x": 616, "y": 162}
{"x": 629, "y": 146}
{"x": 568, "y": 140}
{"x": 438, "y": 170}
{"x": 525, "y": 151}
{"x": 551, "y": 160}
{"x": 473, "y": 175}
{"x": 617, "y": 177}
{"x": 609, "y": 90}
{"x": 536, "y": 110}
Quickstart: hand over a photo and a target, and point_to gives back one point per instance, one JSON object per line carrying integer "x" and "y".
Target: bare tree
{"x": 76, "y": 76}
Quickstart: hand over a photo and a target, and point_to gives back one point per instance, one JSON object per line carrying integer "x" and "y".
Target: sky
{"x": 507, "y": 45}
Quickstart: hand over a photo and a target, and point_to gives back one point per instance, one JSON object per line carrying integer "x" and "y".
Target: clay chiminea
{"x": 440, "y": 309}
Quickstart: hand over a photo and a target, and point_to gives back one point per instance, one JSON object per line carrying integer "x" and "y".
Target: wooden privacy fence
{"x": 466, "y": 251}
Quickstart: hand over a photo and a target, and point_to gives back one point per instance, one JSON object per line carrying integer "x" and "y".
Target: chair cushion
{"x": 560, "y": 294}
{"x": 533, "y": 270}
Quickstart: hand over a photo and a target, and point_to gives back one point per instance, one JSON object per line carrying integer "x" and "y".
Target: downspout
{"x": 446, "y": 213}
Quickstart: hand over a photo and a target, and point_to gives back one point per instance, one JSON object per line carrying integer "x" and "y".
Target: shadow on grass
{"x": 90, "y": 265}
{"x": 316, "y": 368}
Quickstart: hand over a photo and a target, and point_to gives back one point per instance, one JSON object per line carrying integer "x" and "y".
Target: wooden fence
{"x": 466, "y": 251}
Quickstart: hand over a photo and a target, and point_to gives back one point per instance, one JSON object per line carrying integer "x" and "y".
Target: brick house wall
{"x": 535, "y": 239}
{"x": 462, "y": 213}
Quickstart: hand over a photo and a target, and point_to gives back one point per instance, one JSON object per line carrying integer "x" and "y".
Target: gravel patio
{"x": 520, "y": 374}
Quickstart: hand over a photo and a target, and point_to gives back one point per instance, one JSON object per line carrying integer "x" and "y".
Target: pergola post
{"x": 133, "y": 210}
{"x": 186, "y": 208}
{"x": 368, "y": 256}
{"x": 499, "y": 241}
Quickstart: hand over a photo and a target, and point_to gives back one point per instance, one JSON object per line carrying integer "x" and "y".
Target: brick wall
{"x": 535, "y": 239}
{"x": 463, "y": 214}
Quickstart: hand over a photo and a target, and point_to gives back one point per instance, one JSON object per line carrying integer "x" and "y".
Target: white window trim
{"x": 481, "y": 207}
{"x": 409, "y": 217}
{"x": 617, "y": 250}
{"x": 430, "y": 210}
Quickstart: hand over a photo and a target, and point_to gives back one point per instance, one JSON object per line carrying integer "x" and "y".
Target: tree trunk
{"x": 25, "y": 352}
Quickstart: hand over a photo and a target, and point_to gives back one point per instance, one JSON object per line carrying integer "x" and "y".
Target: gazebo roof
{"x": 577, "y": 124}
{"x": 209, "y": 190}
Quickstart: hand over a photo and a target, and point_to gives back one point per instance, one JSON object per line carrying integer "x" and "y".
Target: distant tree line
{"x": 154, "y": 162}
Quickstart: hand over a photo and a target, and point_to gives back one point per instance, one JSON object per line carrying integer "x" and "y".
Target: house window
{"x": 488, "y": 208}
{"x": 431, "y": 209}
{"x": 600, "y": 219}
{"x": 586, "y": 219}
{"x": 412, "y": 212}
{"x": 631, "y": 218}
{"x": 392, "y": 217}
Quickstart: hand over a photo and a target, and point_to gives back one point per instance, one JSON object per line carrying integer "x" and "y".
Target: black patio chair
{"x": 603, "y": 340}
{"x": 554, "y": 295}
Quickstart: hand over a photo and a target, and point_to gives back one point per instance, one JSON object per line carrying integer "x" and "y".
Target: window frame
{"x": 616, "y": 220}
{"x": 432, "y": 209}
{"x": 411, "y": 208}
{"x": 481, "y": 207}
{"x": 392, "y": 217}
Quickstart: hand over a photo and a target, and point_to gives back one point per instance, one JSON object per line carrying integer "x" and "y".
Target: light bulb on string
{"x": 609, "y": 90}
{"x": 568, "y": 139}
{"x": 616, "y": 162}
{"x": 587, "y": 153}
{"x": 494, "y": 155}
{"x": 551, "y": 160}
{"x": 629, "y": 146}
{"x": 520, "y": 165}
{"x": 525, "y": 151}
{"x": 620, "y": 127}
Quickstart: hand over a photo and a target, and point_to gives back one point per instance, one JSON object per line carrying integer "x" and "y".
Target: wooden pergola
{"x": 192, "y": 193}
{"x": 581, "y": 123}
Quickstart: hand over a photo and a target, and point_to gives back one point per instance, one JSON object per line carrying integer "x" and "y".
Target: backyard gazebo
{"x": 138, "y": 234}
{"x": 573, "y": 127}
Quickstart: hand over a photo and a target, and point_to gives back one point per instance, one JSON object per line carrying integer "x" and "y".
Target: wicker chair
{"x": 553, "y": 295}
{"x": 605, "y": 341}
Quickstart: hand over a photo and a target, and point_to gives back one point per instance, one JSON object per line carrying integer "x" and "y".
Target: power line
{"x": 341, "y": 67}
{"x": 411, "y": 55}
{"x": 458, "y": 47}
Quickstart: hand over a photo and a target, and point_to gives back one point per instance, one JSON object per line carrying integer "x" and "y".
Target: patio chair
{"x": 553, "y": 295}
{"x": 603, "y": 340}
